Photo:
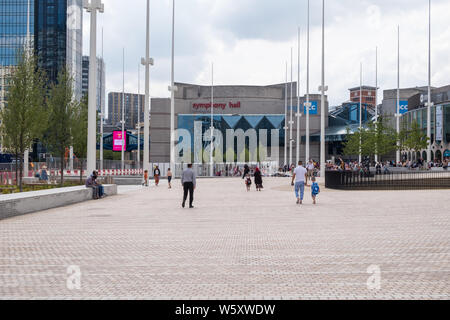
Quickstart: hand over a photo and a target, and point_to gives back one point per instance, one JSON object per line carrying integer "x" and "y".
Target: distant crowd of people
{"x": 385, "y": 167}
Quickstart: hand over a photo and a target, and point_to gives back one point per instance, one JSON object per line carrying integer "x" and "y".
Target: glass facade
{"x": 13, "y": 29}
{"x": 420, "y": 115}
{"x": 58, "y": 34}
{"x": 244, "y": 122}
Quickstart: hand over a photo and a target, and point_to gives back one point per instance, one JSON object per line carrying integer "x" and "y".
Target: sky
{"x": 250, "y": 41}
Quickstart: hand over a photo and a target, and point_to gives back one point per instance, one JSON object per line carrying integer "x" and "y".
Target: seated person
{"x": 98, "y": 190}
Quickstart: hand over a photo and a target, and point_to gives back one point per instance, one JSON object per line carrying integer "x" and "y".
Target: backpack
{"x": 315, "y": 188}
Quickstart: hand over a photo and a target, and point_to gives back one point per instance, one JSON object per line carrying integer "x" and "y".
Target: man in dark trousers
{"x": 188, "y": 180}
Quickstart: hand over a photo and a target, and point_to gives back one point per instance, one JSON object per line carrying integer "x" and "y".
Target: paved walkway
{"x": 141, "y": 244}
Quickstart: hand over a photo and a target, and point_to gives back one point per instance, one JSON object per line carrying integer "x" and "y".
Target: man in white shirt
{"x": 301, "y": 180}
{"x": 310, "y": 167}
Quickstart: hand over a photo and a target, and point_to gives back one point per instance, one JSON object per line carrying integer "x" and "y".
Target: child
{"x": 145, "y": 178}
{"x": 248, "y": 182}
{"x": 169, "y": 178}
{"x": 315, "y": 189}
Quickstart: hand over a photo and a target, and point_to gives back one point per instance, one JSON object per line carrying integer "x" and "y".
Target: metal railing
{"x": 398, "y": 180}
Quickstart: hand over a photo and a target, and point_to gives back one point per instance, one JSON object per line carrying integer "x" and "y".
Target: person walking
{"x": 258, "y": 179}
{"x": 169, "y": 178}
{"x": 246, "y": 171}
{"x": 157, "y": 174}
{"x": 301, "y": 180}
{"x": 189, "y": 182}
{"x": 310, "y": 168}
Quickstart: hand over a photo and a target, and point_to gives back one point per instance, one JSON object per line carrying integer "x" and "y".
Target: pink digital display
{"x": 117, "y": 141}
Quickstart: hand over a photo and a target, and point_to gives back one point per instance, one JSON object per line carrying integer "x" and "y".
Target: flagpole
{"x": 376, "y": 99}
{"x": 398, "y": 99}
{"x": 123, "y": 112}
{"x": 285, "y": 116}
{"x": 102, "y": 109}
{"x": 323, "y": 89}
{"x": 211, "y": 169}
{"x": 139, "y": 118}
{"x": 429, "y": 104}
{"x": 298, "y": 115}
{"x": 291, "y": 122}
{"x": 308, "y": 103}
{"x": 360, "y": 112}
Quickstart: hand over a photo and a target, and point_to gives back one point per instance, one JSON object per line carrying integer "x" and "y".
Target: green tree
{"x": 413, "y": 138}
{"x": 23, "y": 120}
{"x": 354, "y": 143}
{"x": 383, "y": 139}
{"x": 80, "y": 132}
{"x": 62, "y": 116}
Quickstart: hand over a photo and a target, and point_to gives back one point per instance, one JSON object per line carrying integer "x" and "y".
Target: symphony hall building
{"x": 235, "y": 107}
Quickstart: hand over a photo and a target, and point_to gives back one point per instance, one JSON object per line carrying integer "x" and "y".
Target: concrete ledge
{"x": 17, "y": 204}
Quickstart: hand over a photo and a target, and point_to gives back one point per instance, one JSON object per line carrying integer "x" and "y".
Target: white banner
{"x": 439, "y": 123}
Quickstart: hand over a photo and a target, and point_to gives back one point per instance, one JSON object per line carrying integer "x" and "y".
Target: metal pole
{"x": 360, "y": 112}
{"x": 102, "y": 109}
{"x": 398, "y": 99}
{"x": 139, "y": 119}
{"x": 376, "y": 98}
{"x": 92, "y": 7}
{"x": 172, "y": 98}
{"x": 308, "y": 105}
{"x": 285, "y": 116}
{"x": 147, "y": 62}
{"x": 123, "y": 112}
{"x": 322, "y": 101}
{"x": 211, "y": 169}
{"x": 429, "y": 104}
{"x": 28, "y": 53}
{"x": 298, "y": 115}
{"x": 291, "y": 121}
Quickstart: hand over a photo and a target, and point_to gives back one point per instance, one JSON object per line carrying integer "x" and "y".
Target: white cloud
{"x": 249, "y": 42}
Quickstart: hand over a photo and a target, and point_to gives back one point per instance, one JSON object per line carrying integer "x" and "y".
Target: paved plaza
{"x": 234, "y": 245}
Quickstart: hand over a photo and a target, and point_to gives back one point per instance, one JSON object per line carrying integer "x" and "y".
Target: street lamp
{"x": 172, "y": 90}
{"x": 147, "y": 62}
{"x": 323, "y": 89}
{"x": 91, "y": 7}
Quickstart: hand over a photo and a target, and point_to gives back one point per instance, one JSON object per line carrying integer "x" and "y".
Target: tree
{"x": 23, "y": 120}
{"x": 80, "y": 132}
{"x": 383, "y": 138}
{"x": 62, "y": 115}
{"x": 414, "y": 138}
{"x": 353, "y": 145}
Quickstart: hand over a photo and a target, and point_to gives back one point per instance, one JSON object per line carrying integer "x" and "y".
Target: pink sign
{"x": 117, "y": 141}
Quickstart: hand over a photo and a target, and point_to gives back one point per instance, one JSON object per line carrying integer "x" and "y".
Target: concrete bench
{"x": 17, "y": 204}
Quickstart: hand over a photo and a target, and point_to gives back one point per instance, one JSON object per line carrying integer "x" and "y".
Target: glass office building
{"x": 58, "y": 38}
{"x": 13, "y": 29}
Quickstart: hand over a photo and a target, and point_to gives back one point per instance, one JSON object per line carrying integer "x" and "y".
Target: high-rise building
{"x": 13, "y": 37}
{"x": 59, "y": 38}
{"x": 55, "y": 29}
{"x": 101, "y": 89}
{"x": 133, "y": 103}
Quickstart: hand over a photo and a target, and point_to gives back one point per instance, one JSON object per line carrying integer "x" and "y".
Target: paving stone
{"x": 234, "y": 245}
